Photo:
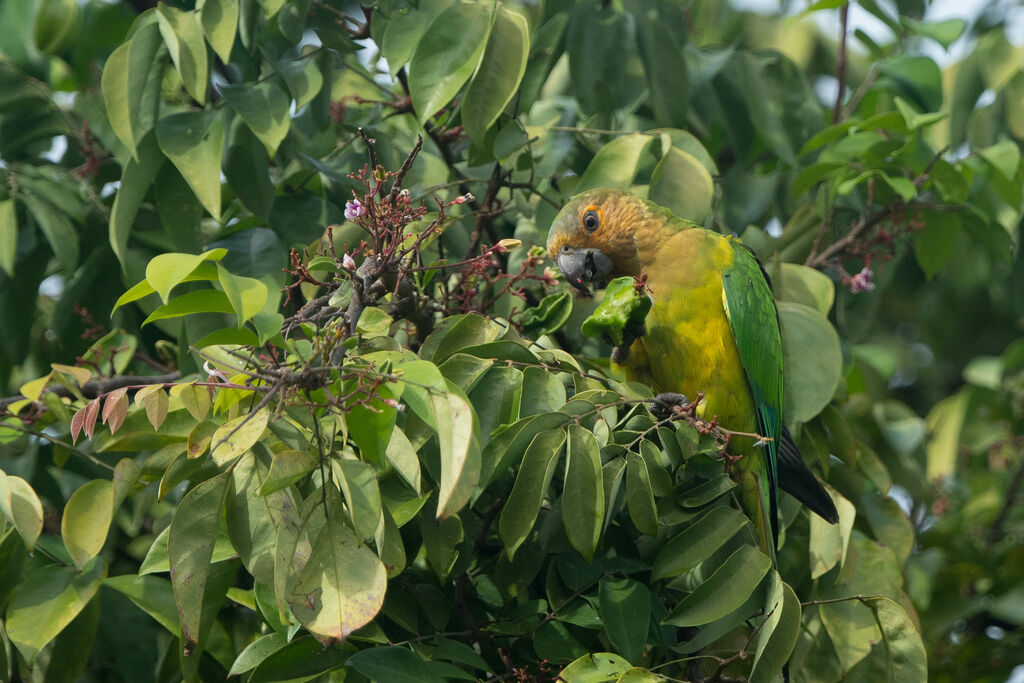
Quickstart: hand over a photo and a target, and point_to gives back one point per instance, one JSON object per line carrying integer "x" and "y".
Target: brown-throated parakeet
{"x": 713, "y": 329}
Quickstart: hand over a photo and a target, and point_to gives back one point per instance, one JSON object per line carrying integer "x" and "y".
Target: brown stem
{"x": 99, "y": 387}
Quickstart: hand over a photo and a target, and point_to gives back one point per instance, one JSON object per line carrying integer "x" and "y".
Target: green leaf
{"x": 622, "y": 308}
{"x": 802, "y": 285}
{"x": 393, "y": 664}
{"x": 303, "y": 78}
{"x": 183, "y": 35}
{"x": 370, "y": 425}
{"x": 303, "y": 657}
{"x": 460, "y": 451}
{"x": 447, "y": 55}
{"x": 499, "y": 73}
{"x": 247, "y": 295}
{"x": 945, "y": 33}
{"x": 59, "y": 231}
{"x": 724, "y": 591}
{"x": 152, "y": 594}
{"x": 190, "y": 542}
{"x": 945, "y": 423}
{"x": 247, "y": 170}
{"x": 131, "y": 85}
{"x": 583, "y": 491}
{"x": 253, "y": 517}
{"x": 625, "y": 608}
{"x": 603, "y": 79}
{"x": 402, "y": 456}
{"x": 46, "y": 601}
{"x": 664, "y": 63}
{"x": 258, "y": 650}
{"x": 235, "y": 437}
{"x": 640, "y": 495}
{"x": 681, "y": 183}
{"x": 828, "y": 542}
{"x": 615, "y": 164}
{"x": 520, "y": 511}
{"x": 86, "y": 520}
{"x": 22, "y": 507}
{"x": 441, "y": 538}
{"x": 935, "y": 243}
{"x": 1004, "y": 156}
{"x": 199, "y": 301}
{"x": 219, "y": 19}
{"x": 165, "y": 271}
{"x": 8, "y": 236}
{"x": 193, "y": 140}
{"x": 775, "y": 644}
{"x": 597, "y": 667}
{"x": 264, "y": 108}
{"x": 136, "y": 179}
{"x": 287, "y": 468}
{"x": 358, "y": 481}
{"x": 342, "y": 586}
{"x": 889, "y": 524}
{"x": 697, "y": 542}
{"x": 812, "y": 359}
{"x": 907, "y": 658}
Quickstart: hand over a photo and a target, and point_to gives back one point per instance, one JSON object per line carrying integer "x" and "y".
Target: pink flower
{"x": 354, "y": 209}
{"x": 462, "y": 199}
{"x": 861, "y": 282}
{"x": 348, "y": 262}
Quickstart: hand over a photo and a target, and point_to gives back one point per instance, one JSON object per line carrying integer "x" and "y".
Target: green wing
{"x": 755, "y": 327}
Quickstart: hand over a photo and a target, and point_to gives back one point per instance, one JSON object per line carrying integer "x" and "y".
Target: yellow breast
{"x": 689, "y": 346}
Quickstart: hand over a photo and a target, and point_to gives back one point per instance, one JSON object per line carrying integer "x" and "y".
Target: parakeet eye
{"x": 591, "y": 221}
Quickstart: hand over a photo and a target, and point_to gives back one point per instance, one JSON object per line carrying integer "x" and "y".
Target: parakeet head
{"x": 604, "y": 233}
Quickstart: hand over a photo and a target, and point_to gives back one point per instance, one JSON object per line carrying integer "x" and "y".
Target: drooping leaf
{"x": 583, "y": 492}
{"x": 235, "y": 437}
{"x": 812, "y": 358}
{"x": 193, "y": 141}
{"x": 183, "y": 35}
{"x": 47, "y": 600}
{"x": 520, "y": 511}
{"x": 697, "y": 542}
{"x": 447, "y": 55}
{"x": 190, "y": 542}
{"x": 219, "y": 19}
{"x": 22, "y": 507}
{"x": 681, "y": 183}
{"x": 342, "y": 586}
{"x": 264, "y": 108}
{"x": 499, "y": 73}
{"x": 86, "y": 520}
{"x": 625, "y": 608}
{"x": 725, "y": 590}
{"x": 615, "y": 164}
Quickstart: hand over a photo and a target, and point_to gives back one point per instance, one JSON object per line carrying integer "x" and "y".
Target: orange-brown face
{"x": 589, "y": 240}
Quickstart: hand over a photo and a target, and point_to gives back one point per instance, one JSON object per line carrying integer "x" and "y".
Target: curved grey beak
{"x": 580, "y": 266}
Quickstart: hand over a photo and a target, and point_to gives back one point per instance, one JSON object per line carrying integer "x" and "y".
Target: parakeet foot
{"x": 667, "y": 403}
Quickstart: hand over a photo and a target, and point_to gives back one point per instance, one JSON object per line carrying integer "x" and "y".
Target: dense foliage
{"x": 295, "y": 394}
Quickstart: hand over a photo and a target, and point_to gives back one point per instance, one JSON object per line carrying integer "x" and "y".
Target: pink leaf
{"x": 115, "y": 409}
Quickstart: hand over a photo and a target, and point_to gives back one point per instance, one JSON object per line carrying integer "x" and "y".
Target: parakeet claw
{"x": 667, "y": 403}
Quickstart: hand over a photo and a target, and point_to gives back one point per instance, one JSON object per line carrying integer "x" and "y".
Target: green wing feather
{"x": 755, "y": 327}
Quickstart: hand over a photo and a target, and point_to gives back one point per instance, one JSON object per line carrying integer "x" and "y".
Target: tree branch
{"x": 99, "y": 387}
